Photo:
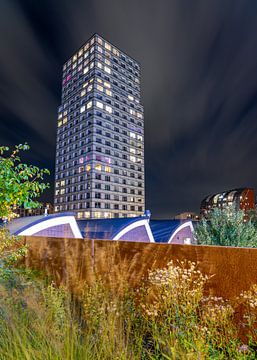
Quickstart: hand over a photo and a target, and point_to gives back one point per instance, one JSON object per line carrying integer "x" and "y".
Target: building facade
{"x": 100, "y": 134}
{"x": 46, "y": 208}
{"x": 242, "y": 198}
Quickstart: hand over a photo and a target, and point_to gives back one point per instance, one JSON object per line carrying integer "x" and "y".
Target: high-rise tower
{"x": 100, "y": 134}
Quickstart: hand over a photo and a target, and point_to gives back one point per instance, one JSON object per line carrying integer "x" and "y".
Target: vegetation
{"x": 20, "y": 183}
{"x": 167, "y": 318}
{"x": 227, "y": 227}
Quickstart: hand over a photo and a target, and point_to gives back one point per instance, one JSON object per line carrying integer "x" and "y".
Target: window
{"x": 82, "y": 109}
{"x": 107, "y": 169}
{"x": 98, "y": 167}
{"x": 89, "y": 104}
{"x": 108, "y": 109}
{"x": 107, "y": 46}
{"x": 107, "y": 69}
{"x": 99, "y": 87}
{"x": 108, "y": 92}
{"x": 99, "y": 105}
{"x": 85, "y": 70}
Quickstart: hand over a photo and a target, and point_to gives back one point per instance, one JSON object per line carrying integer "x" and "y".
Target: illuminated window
{"x": 81, "y": 169}
{"x": 107, "y": 84}
{"x": 106, "y": 69}
{"x": 132, "y": 135}
{"x": 99, "y": 80}
{"x": 59, "y": 123}
{"x": 130, "y": 97}
{"x": 62, "y": 191}
{"x": 98, "y": 167}
{"x": 65, "y": 120}
{"x": 85, "y": 70}
{"x": 88, "y": 167}
{"x": 133, "y": 151}
{"x": 115, "y": 52}
{"x": 107, "y": 46}
{"x": 90, "y": 88}
{"x": 80, "y": 52}
{"x": 87, "y": 214}
{"x": 92, "y": 65}
{"x": 74, "y": 58}
{"x": 83, "y": 93}
{"x": 100, "y": 41}
{"x": 60, "y": 116}
{"x": 99, "y": 105}
{"x": 97, "y": 214}
{"x": 82, "y": 109}
{"x": 107, "y": 61}
{"x": 108, "y": 92}
{"x": 81, "y": 160}
{"x": 100, "y": 88}
{"x": 99, "y": 65}
{"x": 108, "y": 108}
{"x": 89, "y": 104}
{"x": 62, "y": 182}
{"x": 86, "y": 54}
{"x": 132, "y": 158}
{"x": 139, "y": 137}
{"x": 140, "y": 116}
{"x": 107, "y": 169}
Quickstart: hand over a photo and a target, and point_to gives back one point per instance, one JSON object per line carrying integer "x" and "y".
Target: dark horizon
{"x": 199, "y": 87}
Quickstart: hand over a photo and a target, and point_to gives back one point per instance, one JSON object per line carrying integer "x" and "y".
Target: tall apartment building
{"x": 100, "y": 134}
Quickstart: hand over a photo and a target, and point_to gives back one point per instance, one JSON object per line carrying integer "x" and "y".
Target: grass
{"x": 168, "y": 317}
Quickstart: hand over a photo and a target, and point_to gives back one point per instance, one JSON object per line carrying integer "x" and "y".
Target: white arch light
{"x": 133, "y": 226}
{"x": 48, "y": 223}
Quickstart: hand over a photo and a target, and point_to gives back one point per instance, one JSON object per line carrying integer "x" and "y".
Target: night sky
{"x": 199, "y": 86}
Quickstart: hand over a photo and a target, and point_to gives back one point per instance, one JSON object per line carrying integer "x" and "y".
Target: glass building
{"x": 100, "y": 134}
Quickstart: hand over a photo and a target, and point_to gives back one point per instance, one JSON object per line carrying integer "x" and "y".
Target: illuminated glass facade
{"x": 100, "y": 134}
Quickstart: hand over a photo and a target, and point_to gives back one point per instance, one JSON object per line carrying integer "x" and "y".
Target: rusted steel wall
{"x": 74, "y": 261}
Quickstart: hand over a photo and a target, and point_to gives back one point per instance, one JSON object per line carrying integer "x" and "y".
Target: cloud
{"x": 199, "y": 85}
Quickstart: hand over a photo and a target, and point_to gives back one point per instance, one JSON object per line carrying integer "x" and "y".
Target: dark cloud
{"x": 199, "y": 85}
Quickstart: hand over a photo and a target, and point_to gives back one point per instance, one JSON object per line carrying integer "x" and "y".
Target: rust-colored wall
{"x": 74, "y": 261}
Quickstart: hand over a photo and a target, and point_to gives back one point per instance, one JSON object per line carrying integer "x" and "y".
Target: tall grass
{"x": 167, "y": 318}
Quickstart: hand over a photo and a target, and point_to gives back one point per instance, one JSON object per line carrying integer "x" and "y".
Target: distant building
{"x": 187, "y": 216}
{"x": 46, "y": 207}
{"x": 100, "y": 134}
{"x": 243, "y": 198}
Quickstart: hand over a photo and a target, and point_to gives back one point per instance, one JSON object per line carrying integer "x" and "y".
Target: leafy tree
{"x": 227, "y": 227}
{"x": 20, "y": 183}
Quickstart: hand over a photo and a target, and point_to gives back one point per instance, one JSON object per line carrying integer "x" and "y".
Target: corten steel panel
{"x": 74, "y": 261}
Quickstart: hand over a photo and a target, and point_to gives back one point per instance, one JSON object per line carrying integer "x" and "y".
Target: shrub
{"x": 227, "y": 227}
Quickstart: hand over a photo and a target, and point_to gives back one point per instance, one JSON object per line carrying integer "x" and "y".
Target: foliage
{"x": 167, "y": 318}
{"x": 227, "y": 227}
{"x": 20, "y": 183}
{"x": 12, "y": 250}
